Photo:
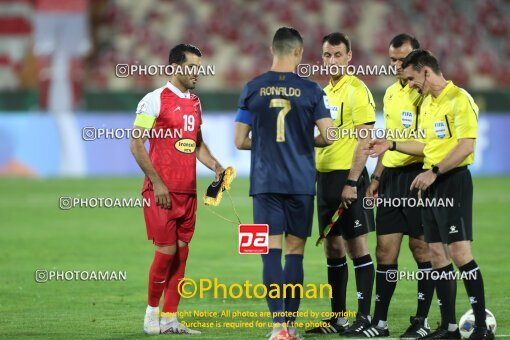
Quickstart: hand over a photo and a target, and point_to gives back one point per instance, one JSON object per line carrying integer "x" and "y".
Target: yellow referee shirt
{"x": 446, "y": 119}
{"x": 402, "y": 118}
{"x": 351, "y": 104}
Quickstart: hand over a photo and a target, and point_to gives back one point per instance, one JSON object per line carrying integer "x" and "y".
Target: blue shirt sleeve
{"x": 241, "y": 104}
{"x": 243, "y": 116}
{"x": 321, "y": 107}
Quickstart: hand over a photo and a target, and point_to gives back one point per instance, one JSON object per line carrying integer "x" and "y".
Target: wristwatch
{"x": 393, "y": 146}
{"x": 435, "y": 169}
{"x": 351, "y": 183}
{"x": 374, "y": 177}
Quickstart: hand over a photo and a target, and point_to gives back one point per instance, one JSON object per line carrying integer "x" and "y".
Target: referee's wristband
{"x": 435, "y": 170}
{"x": 351, "y": 183}
{"x": 374, "y": 177}
{"x": 393, "y": 146}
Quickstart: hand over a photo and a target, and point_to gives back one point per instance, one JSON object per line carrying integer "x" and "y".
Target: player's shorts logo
{"x": 185, "y": 145}
{"x": 253, "y": 239}
{"x": 407, "y": 119}
{"x": 440, "y": 129}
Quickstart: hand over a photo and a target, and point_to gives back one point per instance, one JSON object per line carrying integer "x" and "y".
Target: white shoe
{"x": 280, "y": 333}
{"x": 294, "y": 334}
{"x": 175, "y": 327}
{"x": 151, "y": 322}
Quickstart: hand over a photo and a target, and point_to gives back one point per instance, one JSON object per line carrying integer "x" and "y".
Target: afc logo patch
{"x": 407, "y": 119}
{"x": 142, "y": 107}
{"x": 253, "y": 239}
{"x": 440, "y": 129}
{"x": 333, "y": 110}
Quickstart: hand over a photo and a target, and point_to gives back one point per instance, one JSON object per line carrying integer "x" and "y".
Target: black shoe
{"x": 480, "y": 333}
{"x": 441, "y": 333}
{"x": 356, "y": 330}
{"x": 328, "y": 327}
{"x": 418, "y": 329}
{"x": 375, "y": 332}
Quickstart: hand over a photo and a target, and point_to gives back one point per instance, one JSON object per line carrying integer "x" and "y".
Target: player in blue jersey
{"x": 281, "y": 109}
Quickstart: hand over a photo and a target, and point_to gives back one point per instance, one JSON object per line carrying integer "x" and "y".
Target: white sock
{"x": 152, "y": 309}
{"x": 452, "y": 327}
{"x": 341, "y": 321}
{"x": 382, "y": 324}
{"x": 165, "y": 319}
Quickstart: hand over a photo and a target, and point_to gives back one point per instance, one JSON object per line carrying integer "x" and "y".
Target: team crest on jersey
{"x": 185, "y": 145}
{"x": 440, "y": 129}
{"x": 407, "y": 119}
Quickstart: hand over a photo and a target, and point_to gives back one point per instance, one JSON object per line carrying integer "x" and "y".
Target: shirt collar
{"x": 448, "y": 87}
{"x": 340, "y": 83}
{"x": 178, "y": 92}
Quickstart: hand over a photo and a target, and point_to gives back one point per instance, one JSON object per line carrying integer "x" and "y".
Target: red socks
{"x": 176, "y": 273}
{"x": 158, "y": 277}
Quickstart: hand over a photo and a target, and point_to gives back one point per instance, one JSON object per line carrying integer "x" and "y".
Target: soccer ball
{"x": 467, "y": 323}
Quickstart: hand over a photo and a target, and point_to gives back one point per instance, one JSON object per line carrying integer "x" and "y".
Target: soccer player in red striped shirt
{"x": 173, "y": 117}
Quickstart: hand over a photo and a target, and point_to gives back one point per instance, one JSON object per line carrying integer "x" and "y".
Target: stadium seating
{"x": 234, "y": 35}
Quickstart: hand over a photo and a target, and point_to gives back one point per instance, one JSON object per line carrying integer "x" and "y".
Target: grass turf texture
{"x": 36, "y": 234}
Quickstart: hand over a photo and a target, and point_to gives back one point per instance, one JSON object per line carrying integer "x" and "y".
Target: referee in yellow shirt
{"x": 391, "y": 179}
{"x": 450, "y": 121}
{"x": 343, "y": 178}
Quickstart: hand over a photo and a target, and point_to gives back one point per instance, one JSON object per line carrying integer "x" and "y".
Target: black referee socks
{"x": 446, "y": 289}
{"x": 385, "y": 284}
{"x": 425, "y": 290}
{"x": 474, "y": 287}
{"x": 338, "y": 274}
{"x": 364, "y": 271}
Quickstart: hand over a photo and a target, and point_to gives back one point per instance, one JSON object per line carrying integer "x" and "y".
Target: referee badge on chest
{"x": 407, "y": 119}
{"x": 440, "y": 129}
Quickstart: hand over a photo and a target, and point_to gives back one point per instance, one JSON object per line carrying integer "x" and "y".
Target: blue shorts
{"x": 284, "y": 213}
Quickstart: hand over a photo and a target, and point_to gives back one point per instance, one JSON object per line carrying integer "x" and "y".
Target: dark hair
{"x": 178, "y": 56}
{"x": 402, "y": 38}
{"x": 338, "y": 38}
{"x": 285, "y": 40}
{"x": 421, "y": 58}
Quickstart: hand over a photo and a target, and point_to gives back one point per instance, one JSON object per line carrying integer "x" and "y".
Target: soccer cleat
{"x": 481, "y": 333}
{"x": 175, "y": 327}
{"x": 441, "y": 333}
{"x": 330, "y": 326}
{"x": 280, "y": 333}
{"x": 294, "y": 334}
{"x": 419, "y": 328}
{"x": 375, "y": 332}
{"x": 356, "y": 330}
{"x": 151, "y": 323}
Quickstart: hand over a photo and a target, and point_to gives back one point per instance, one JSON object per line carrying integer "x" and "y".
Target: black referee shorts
{"x": 356, "y": 220}
{"x": 450, "y": 224}
{"x": 395, "y": 183}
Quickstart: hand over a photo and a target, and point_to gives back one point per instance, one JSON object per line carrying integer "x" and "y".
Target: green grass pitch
{"x": 36, "y": 234}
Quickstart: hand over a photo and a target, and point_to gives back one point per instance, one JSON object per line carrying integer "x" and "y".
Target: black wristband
{"x": 351, "y": 183}
{"x": 435, "y": 170}
{"x": 393, "y": 146}
{"x": 374, "y": 177}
